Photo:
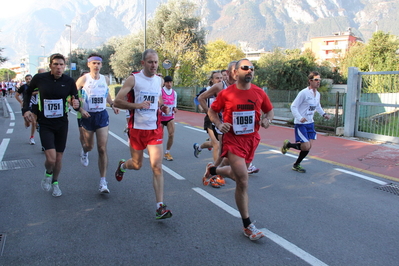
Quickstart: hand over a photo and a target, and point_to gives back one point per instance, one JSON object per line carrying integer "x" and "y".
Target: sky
{"x": 15, "y": 7}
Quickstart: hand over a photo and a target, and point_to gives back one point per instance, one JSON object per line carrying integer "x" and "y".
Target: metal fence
{"x": 378, "y": 106}
{"x": 332, "y": 103}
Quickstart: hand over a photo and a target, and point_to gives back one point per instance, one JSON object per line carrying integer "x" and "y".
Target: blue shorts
{"x": 304, "y": 132}
{"x": 96, "y": 120}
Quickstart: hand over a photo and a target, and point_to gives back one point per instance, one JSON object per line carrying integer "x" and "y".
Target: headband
{"x": 94, "y": 58}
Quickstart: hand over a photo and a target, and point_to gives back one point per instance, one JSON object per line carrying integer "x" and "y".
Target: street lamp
{"x": 70, "y": 49}
{"x": 145, "y": 25}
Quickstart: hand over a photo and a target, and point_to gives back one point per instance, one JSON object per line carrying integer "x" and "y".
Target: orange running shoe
{"x": 207, "y": 174}
{"x": 220, "y": 180}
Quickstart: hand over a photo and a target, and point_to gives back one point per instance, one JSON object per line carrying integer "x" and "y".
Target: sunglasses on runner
{"x": 315, "y": 79}
{"x": 247, "y": 68}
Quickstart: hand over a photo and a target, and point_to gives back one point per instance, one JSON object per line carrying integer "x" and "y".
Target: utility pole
{"x": 70, "y": 49}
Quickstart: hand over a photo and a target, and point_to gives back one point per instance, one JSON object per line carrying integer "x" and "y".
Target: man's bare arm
{"x": 213, "y": 91}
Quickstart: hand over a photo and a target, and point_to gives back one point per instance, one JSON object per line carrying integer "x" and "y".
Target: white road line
{"x": 217, "y": 202}
{"x": 12, "y": 116}
{"x": 197, "y": 129}
{"x": 10, "y": 130}
{"x": 12, "y": 124}
{"x": 287, "y": 154}
{"x": 172, "y": 173}
{"x": 382, "y": 183}
{"x": 3, "y": 148}
{"x": 292, "y": 248}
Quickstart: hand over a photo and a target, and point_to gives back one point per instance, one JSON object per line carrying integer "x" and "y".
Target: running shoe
{"x": 253, "y": 233}
{"x": 252, "y": 169}
{"x": 197, "y": 151}
{"x": 103, "y": 187}
{"x": 163, "y": 213}
{"x": 298, "y": 168}
{"x": 56, "y": 190}
{"x": 285, "y": 147}
{"x": 168, "y": 157}
{"x": 119, "y": 172}
{"x": 32, "y": 141}
{"x": 213, "y": 182}
{"x": 46, "y": 181}
{"x": 220, "y": 180}
{"x": 207, "y": 174}
{"x": 84, "y": 158}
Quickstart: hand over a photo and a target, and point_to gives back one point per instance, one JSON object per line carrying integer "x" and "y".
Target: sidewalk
{"x": 375, "y": 159}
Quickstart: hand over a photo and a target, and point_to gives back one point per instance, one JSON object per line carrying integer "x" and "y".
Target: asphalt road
{"x": 323, "y": 217}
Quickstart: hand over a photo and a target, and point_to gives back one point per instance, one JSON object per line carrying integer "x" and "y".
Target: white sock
{"x": 103, "y": 180}
{"x": 167, "y": 151}
{"x": 159, "y": 204}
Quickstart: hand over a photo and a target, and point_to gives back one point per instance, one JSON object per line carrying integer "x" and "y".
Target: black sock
{"x": 296, "y": 146}
{"x": 246, "y": 222}
{"x": 49, "y": 173}
{"x": 53, "y": 181}
{"x": 302, "y": 156}
{"x": 212, "y": 170}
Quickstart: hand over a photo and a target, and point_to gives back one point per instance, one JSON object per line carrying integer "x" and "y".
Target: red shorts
{"x": 243, "y": 146}
{"x": 139, "y": 138}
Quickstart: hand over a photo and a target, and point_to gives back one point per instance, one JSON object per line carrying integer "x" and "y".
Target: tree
{"x": 285, "y": 70}
{"x": 2, "y": 59}
{"x": 127, "y": 56}
{"x": 6, "y": 74}
{"x": 219, "y": 54}
{"x": 379, "y": 54}
{"x": 175, "y": 33}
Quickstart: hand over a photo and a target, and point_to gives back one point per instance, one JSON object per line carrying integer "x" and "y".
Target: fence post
{"x": 351, "y": 100}
{"x": 336, "y": 111}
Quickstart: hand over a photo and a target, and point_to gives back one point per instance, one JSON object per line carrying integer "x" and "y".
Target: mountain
{"x": 252, "y": 24}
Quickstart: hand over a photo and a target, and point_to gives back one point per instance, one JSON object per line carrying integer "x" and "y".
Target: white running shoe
{"x": 252, "y": 169}
{"x": 46, "y": 182}
{"x": 56, "y": 190}
{"x": 84, "y": 158}
{"x": 252, "y": 232}
{"x": 103, "y": 187}
{"x": 32, "y": 141}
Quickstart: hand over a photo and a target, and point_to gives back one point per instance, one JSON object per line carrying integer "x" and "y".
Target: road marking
{"x": 172, "y": 173}
{"x": 217, "y": 202}
{"x": 12, "y": 116}
{"x": 292, "y": 248}
{"x": 382, "y": 183}
{"x": 287, "y": 154}
{"x": 10, "y": 130}
{"x": 12, "y": 124}
{"x": 3, "y": 148}
{"x": 197, "y": 129}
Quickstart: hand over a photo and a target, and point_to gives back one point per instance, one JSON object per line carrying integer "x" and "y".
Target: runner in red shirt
{"x": 245, "y": 108}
